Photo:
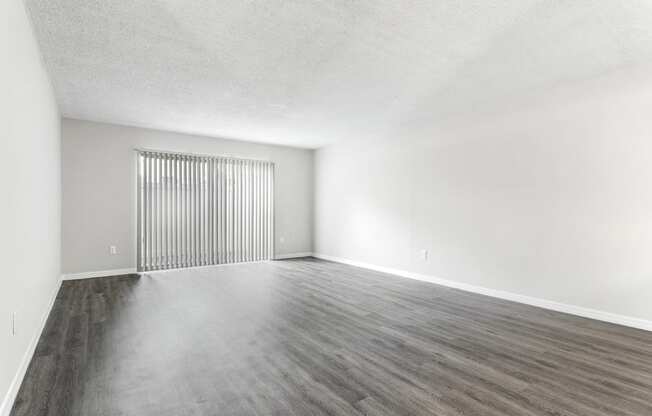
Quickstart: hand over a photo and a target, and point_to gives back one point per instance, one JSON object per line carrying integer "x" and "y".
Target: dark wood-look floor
{"x": 308, "y": 337}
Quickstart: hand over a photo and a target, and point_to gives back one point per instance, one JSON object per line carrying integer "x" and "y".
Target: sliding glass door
{"x": 201, "y": 210}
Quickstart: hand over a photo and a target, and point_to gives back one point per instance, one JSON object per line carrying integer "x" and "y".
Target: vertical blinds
{"x": 200, "y": 210}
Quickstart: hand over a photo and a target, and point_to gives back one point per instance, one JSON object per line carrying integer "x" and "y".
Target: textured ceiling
{"x": 309, "y": 73}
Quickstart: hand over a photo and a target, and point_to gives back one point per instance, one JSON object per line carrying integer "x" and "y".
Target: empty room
{"x": 309, "y": 207}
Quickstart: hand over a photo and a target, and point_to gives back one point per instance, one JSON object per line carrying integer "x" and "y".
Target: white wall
{"x": 550, "y": 198}
{"x": 30, "y": 182}
{"x": 98, "y": 190}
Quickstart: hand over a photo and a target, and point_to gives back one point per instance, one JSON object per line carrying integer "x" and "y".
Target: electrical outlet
{"x": 281, "y": 239}
{"x": 423, "y": 254}
{"x": 113, "y": 250}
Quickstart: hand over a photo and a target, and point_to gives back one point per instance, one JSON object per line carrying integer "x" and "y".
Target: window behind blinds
{"x": 200, "y": 210}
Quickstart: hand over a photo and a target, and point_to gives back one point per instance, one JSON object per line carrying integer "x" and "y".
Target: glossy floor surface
{"x": 309, "y": 337}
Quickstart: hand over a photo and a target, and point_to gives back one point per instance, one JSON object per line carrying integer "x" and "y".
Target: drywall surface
{"x": 99, "y": 190}
{"x": 552, "y": 199}
{"x": 30, "y": 219}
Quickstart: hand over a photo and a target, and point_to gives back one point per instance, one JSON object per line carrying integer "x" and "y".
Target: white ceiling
{"x": 309, "y": 73}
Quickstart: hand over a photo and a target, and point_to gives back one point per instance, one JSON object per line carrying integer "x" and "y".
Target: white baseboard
{"x": 10, "y": 397}
{"x": 117, "y": 272}
{"x": 99, "y": 273}
{"x": 528, "y": 300}
{"x": 292, "y": 255}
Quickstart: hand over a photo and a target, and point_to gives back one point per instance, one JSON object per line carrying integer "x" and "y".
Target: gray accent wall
{"x": 99, "y": 190}
{"x": 30, "y": 205}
